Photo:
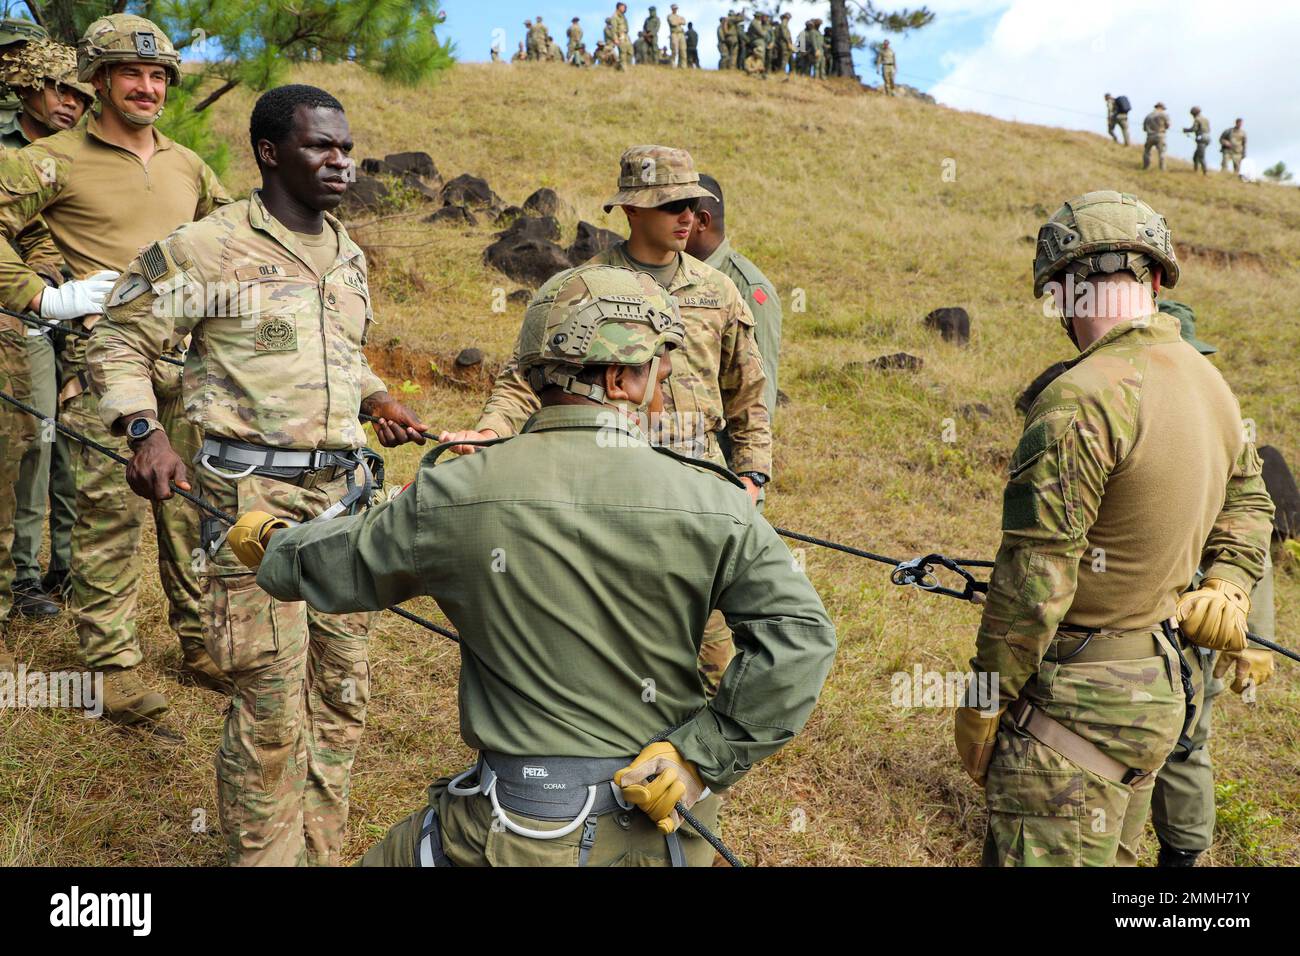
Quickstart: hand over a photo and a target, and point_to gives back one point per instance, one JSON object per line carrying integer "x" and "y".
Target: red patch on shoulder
{"x": 760, "y": 296}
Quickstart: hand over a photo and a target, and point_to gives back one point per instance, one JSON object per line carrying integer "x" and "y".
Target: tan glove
{"x": 1214, "y": 615}
{"x": 250, "y": 535}
{"x": 976, "y": 733}
{"x": 675, "y": 779}
{"x": 1254, "y": 664}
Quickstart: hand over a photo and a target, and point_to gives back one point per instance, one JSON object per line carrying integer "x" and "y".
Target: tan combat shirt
{"x": 277, "y": 352}
{"x": 717, "y": 379}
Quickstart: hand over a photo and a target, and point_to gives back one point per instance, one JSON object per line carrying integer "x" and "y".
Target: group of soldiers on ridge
{"x": 627, "y": 439}
{"x": 1232, "y": 141}
{"x": 759, "y": 46}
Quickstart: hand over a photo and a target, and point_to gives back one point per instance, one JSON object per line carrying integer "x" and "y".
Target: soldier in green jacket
{"x": 579, "y": 565}
{"x": 1133, "y": 470}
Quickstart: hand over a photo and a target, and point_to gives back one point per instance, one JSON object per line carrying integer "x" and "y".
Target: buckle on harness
{"x": 919, "y": 572}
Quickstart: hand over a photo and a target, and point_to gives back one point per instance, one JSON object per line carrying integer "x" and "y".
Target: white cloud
{"x": 1050, "y": 63}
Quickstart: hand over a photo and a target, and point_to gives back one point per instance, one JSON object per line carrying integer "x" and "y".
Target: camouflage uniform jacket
{"x": 555, "y": 653}
{"x": 765, "y": 305}
{"x": 1234, "y": 140}
{"x": 1201, "y": 127}
{"x": 887, "y": 58}
{"x": 1156, "y": 123}
{"x": 619, "y": 23}
{"x": 575, "y": 35}
{"x": 277, "y": 349}
{"x": 1133, "y": 469}
{"x": 717, "y": 377}
{"x": 785, "y": 42}
{"x": 34, "y": 243}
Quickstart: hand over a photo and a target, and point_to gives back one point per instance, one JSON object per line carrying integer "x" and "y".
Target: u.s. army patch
{"x": 275, "y": 334}
{"x": 154, "y": 262}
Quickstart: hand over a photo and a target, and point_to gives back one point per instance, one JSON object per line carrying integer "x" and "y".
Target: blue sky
{"x": 1037, "y": 61}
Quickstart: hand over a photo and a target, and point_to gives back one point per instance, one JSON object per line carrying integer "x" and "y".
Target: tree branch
{"x": 215, "y": 95}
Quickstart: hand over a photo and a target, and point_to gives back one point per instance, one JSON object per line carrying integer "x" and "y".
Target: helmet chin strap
{"x": 131, "y": 118}
{"x": 42, "y": 118}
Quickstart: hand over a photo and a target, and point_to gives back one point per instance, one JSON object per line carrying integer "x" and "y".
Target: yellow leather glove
{"x": 976, "y": 734}
{"x": 1252, "y": 664}
{"x": 249, "y": 537}
{"x": 675, "y": 779}
{"x": 1214, "y": 615}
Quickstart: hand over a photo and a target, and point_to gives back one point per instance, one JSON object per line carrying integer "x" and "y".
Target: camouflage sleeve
{"x": 785, "y": 644}
{"x": 211, "y": 193}
{"x": 371, "y": 383}
{"x": 36, "y": 246}
{"x": 29, "y": 180}
{"x": 1237, "y": 548}
{"x": 742, "y": 383}
{"x": 511, "y": 402}
{"x": 1058, "y": 475}
{"x": 142, "y": 320}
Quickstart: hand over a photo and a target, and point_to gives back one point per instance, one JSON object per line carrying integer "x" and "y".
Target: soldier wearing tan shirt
{"x": 107, "y": 188}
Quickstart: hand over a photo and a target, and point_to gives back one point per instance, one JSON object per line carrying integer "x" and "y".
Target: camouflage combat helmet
{"x": 651, "y": 176}
{"x": 20, "y": 31}
{"x": 596, "y": 315}
{"x": 28, "y": 66}
{"x": 1104, "y": 231}
{"x": 125, "y": 38}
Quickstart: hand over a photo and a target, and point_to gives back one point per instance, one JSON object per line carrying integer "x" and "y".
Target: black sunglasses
{"x": 680, "y": 205}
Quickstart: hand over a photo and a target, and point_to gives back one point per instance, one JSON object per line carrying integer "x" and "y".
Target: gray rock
{"x": 365, "y": 194}
{"x": 468, "y": 358}
{"x": 453, "y": 214}
{"x": 418, "y": 163}
{"x": 530, "y": 261}
{"x": 470, "y": 191}
{"x": 899, "y": 361}
{"x": 544, "y": 202}
{"x": 952, "y": 322}
{"x": 591, "y": 240}
{"x": 533, "y": 227}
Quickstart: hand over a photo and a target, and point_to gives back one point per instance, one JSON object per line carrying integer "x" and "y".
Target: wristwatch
{"x": 757, "y": 477}
{"x": 141, "y": 428}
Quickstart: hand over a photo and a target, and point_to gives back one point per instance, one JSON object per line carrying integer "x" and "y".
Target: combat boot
{"x": 30, "y": 600}
{"x": 198, "y": 668}
{"x": 1174, "y": 857}
{"x": 55, "y": 585}
{"x": 128, "y": 701}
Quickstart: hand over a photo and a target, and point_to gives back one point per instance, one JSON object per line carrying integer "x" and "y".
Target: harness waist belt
{"x": 1098, "y": 648}
{"x": 284, "y": 463}
{"x": 552, "y": 788}
{"x": 1070, "y": 745}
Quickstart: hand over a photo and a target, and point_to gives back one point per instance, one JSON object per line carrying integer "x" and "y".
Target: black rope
{"x": 194, "y": 499}
{"x": 710, "y": 837}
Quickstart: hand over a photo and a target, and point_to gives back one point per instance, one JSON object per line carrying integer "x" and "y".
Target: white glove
{"x": 78, "y": 297}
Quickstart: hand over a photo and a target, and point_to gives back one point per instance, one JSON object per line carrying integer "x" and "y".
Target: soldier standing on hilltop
{"x": 784, "y": 46}
{"x": 738, "y": 47}
{"x": 528, "y": 37}
{"x": 539, "y": 36}
{"x": 1155, "y": 126}
{"x": 887, "y": 66}
{"x": 1232, "y": 147}
{"x": 575, "y": 39}
{"x": 829, "y": 56}
{"x": 1200, "y": 128}
{"x": 692, "y": 47}
{"x": 1117, "y": 116}
{"x": 622, "y": 38}
{"x": 651, "y": 28}
{"x": 725, "y": 55}
{"x": 756, "y": 46}
{"x": 677, "y": 38}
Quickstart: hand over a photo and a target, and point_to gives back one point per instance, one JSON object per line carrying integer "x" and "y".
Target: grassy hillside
{"x": 843, "y": 196}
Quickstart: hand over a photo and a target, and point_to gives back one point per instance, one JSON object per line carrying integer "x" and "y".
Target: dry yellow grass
{"x": 840, "y": 195}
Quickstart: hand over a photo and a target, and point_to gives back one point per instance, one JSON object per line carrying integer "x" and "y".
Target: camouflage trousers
{"x": 1045, "y": 810}
{"x": 17, "y": 432}
{"x": 1182, "y": 809}
{"x": 1198, "y": 158}
{"x": 1230, "y": 158}
{"x": 470, "y": 837}
{"x": 1158, "y": 144}
{"x": 105, "y": 567}
{"x": 677, "y": 42}
{"x": 302, "y": 682}
{"x": 728, "y": 58}
{"x": 33, "y": 486}
{"x": 887, "y": 80}
{"x": 1119, "y": 121}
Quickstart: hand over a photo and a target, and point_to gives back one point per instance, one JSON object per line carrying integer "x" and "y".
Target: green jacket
{"x": 580, "y": 566}
{"x": 763, "y": 302}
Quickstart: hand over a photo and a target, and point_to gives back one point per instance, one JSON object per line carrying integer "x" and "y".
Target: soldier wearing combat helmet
{"x": 108, "y": 188}
{"x": 606, "y": 586}
{"x": 13, "y": 34}
{"x": 43, "y": 75}
{"x": 1133, "y": 470}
